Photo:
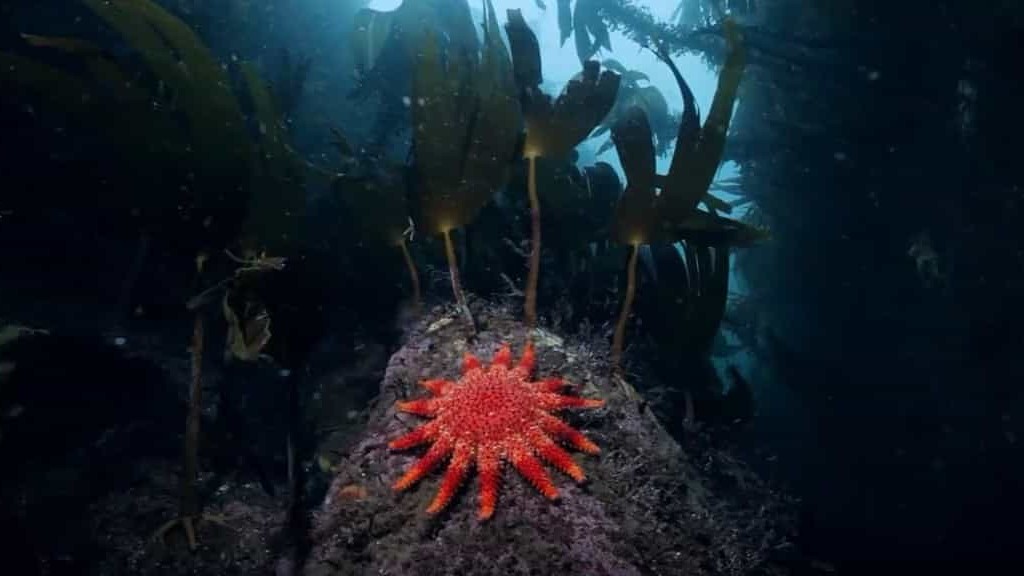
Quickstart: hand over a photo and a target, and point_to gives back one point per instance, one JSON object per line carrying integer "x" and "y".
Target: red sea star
{"x": 493, "y": 413}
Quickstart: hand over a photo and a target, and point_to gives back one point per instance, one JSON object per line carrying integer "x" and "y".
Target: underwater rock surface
{"x": 650, "y": 506}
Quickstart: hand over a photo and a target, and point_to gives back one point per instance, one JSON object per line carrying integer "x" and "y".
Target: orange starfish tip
{"x": 469, "y": 362}
{"x": 422, "y": 407}
{"x": 529, "y": 358}
{"x": 437, "y": 387}
{"x": 503, "y": 357}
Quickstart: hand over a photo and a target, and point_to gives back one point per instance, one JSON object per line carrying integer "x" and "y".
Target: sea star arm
{"x": 453, "y": 477}
{"x": 438, "y": 451}
{"x": 421, "y": 435}
{"x": 553, "y": 453}
{"x": 529, "y": 360}
{"x": 420, "y": 407}
{"x": 437, "y": 387}
{"x": 552, "y": 401}
{"x": 469, "y": 362}
{"x": 548, "y": 385}
{"x": 531, "y": 468}
{"x": 488, "y": 463}
{"x": 503, "y": 357}
{"x": 575, "y": 438}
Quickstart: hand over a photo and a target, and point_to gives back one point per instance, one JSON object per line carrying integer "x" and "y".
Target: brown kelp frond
{"x": 589, "y": 30}
{"x": 289, "y": 83}
{"x": 370, "y": 32}
{"x": 466, "y": 121}
{"x": 95, "y": 93}
{"x": 66, "y": 44}
{"x": 526, "y": 60}
{"x": 277, "y": 201}
{"x": 629, "y": 77}
{"x": 180, "y": 59}
{"x": 672, "y": 215}
{"x": 19, "y": 74}
{"x": 554, "y": 129}
{"x": 664, "y": 124}
{"x": 627, "y": 305}
{"x": 440, "y": 122}
{"x": 97, "y": 62}
{"x": 466, "y": 124}
{"x": 692, "y": 291}
{"x": 379, "y": 36}
{"x": 707, "y": 229}
{"x": 699, "y": 153}
{"x": 643, "y": 217}
{"x": 495, "y": 130}
{"x": 272, "y": 130}
{"x": 640, "y": 216}
{"x": 689, "y": 133}
{"x": 636, "y": 219}
{"x": 375, "y": 193}
{"x": 379, "y": 204}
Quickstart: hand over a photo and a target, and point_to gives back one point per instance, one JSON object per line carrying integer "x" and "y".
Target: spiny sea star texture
{"x": 493, "y": 414}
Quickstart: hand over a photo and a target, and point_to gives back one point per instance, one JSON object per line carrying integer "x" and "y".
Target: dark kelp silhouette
{"x": 375, "y": 194}
{"x": 644, "y": 216}
{"x": 685, "y": 311}
{"x": 181, "y": 61}
{"x": 648, "y": 97}
{"x": 466, "y": 124}
{"x": 379, "y": 36}
{"x": 553, "y": 128}
{"x": 584, "y": 22}
{"x": 385, "y": 45}
{"x": 236, "y": 191}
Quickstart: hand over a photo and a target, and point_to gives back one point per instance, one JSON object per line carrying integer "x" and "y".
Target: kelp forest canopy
{"x": 773, "y": 216}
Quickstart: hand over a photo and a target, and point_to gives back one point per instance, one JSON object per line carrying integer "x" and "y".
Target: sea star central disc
{"x": 493, "y": 414}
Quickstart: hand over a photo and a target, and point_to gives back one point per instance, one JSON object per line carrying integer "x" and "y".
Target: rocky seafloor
{"x": 88, "y": 500}
{"x": 650, "y": 506}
